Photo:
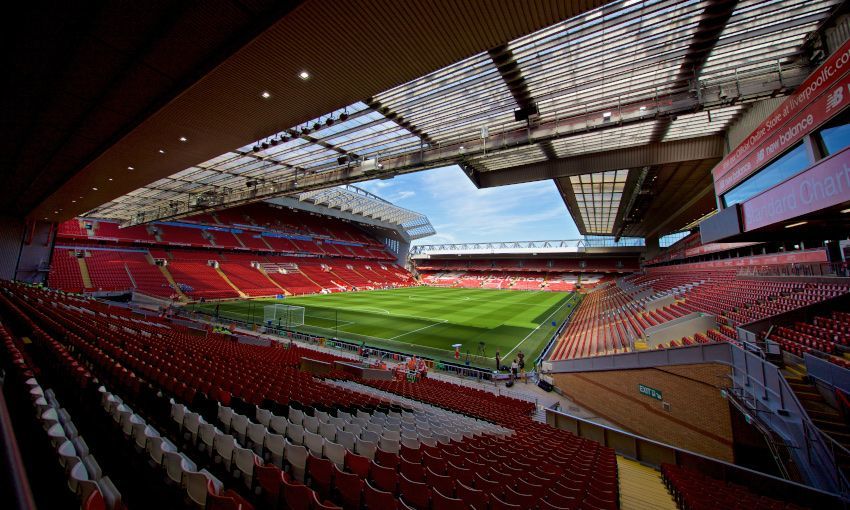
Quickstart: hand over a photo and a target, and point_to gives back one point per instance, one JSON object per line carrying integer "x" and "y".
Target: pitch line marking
{"x": 538, "y": 327}
{"x": 415, "y": 330}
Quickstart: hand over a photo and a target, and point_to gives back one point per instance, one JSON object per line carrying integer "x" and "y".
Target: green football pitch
{"x": 426, "y": 320}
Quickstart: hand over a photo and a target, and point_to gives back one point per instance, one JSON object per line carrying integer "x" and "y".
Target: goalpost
{"x": 283, "y": 315}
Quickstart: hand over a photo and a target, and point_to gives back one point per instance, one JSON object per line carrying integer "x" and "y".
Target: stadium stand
{"x": 612, "y": 318}
{"x": 120, "y": 260}
{"x": 222, "y": 426}
{"x": 694, "y": 490}
{"x": 164, "y": 156}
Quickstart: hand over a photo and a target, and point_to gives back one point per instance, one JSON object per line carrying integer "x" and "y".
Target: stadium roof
{"x": 642, "y": 90}
{"x": 596, "y": 244}
{"x": 360, "y": 202}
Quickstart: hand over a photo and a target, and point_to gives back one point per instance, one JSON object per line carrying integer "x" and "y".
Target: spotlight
{"x": 256, "y": 148}
{"x": 316, "y": 125}
{"x": 274, "y": 142}
{"x": 343, "y": 117}
{"x": 330, "y": 121}
{"x": 304, "y": 75}
{"x": 265, "y": 94}
{"x": 265, "y": 145}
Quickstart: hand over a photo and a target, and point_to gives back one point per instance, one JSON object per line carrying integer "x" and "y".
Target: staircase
{"x": 84, "y": 272}
{"x": 226, "y": 279}
{"x": 641, "y": 487}
{"x": 269, "y": 278}
{"x": 167, "y": 274}
{"x": 824, "y": 416}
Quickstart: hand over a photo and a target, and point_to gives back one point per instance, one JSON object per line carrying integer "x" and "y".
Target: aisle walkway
{"x": 641, "y": 487}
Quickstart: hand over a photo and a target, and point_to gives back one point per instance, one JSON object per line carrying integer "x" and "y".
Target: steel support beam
{"x": 658, "y": 153}
{"x": 764, "y": 84}
{"x": 711, "y": 24}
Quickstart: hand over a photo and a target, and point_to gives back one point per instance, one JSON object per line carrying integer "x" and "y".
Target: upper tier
{"x": 254, "y": 227}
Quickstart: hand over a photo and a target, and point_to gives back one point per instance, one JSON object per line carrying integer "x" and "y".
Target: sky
{"x": 462, "y": 213}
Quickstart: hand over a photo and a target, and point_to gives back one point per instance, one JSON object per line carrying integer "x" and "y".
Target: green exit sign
{"x": 649, "y": 392}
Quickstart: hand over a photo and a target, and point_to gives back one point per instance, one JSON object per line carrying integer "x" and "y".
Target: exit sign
{"x": 649, "y": 392}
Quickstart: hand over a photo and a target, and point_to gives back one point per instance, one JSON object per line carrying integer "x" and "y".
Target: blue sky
{"x": 462, "y": 213}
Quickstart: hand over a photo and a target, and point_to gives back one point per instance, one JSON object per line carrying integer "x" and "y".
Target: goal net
{"x": 283, "y": 315}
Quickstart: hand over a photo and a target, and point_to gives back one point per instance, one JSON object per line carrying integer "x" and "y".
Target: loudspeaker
{"x": 545, "y": 386}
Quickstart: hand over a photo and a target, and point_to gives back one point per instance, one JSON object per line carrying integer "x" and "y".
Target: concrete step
{"x": 641, "y": 487}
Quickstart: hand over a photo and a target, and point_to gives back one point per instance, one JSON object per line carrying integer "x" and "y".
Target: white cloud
{"x": 401, "y": 195}
{"x": 462, "y": 213}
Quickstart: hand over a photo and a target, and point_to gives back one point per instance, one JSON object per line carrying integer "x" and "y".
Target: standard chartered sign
{"x": 649, "y": 392}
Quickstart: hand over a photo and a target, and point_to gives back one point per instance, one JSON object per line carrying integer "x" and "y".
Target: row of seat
{"x": 695, "y": 491}
{"x": 138, "y": 363}
{"x": 610, "y": 318}
{"x": 572, "y": 473}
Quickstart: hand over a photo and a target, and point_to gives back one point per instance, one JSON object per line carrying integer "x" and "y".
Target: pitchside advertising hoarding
{"x": 824, "y": 185}
{"x": 821, "y": 96}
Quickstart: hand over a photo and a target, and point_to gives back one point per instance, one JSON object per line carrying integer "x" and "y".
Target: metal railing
{"x": 753, "y": 379}
{"x": 655, "y": 453}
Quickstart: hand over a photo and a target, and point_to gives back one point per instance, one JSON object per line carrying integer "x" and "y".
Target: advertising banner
{"x": 808, "y": 120}
{"x": 824, "y": 185}
{"x": 743, "y": 161}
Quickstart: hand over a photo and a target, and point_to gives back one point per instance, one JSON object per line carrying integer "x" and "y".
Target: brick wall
{"x": 698, "y": 419}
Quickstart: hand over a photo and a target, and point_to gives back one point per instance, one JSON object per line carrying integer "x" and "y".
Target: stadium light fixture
{"x": 796, "y": 224}
{"x": 184, "y": 139}
{"x": 131, "y": 168}
{"x": 94, "y": 189}
{"x": 845, "y": 211}
{"x": 304, "y": 75}
{"x": 265, "y": 94}
{"x": 161, "y": 151}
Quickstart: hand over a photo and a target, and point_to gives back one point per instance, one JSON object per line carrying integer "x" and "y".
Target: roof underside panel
{"x": 702, "y": 123}
{"x": 455, "y": 101}
{"x": 600, "y": 61}
{"x": 598, "y": 196}
{"x": 763, "y": 33}
{"x": 596, "y": 141}
{"x": 582, "y": 73}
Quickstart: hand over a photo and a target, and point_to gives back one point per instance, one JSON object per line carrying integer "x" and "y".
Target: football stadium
{"x": 445, "y": 255}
